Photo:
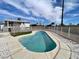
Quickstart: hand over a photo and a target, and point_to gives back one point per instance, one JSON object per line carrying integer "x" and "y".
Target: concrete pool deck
{"x": 12, "y": 48}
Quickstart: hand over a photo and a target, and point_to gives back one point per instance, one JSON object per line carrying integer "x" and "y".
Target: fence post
{"x": 57, "y": 29}
{"x": 54, "y": 28}
{"x": 69, "y": 31}
{"x": 61, "y": 30}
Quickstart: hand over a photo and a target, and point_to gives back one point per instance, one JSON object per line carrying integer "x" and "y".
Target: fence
{"x": 70, "y": 32}
{"x": 19, "y": 29}
{"x": 16, "y": 29}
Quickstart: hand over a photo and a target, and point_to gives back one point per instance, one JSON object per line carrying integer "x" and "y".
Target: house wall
{"x": 16, "y": 27}
{"x": 10, "y": 23}
{"x": 20, "y": 29}
{"x": 1, "y": 27}
{"x": 5, "y": 29}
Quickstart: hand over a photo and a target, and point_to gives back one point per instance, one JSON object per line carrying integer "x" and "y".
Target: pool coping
{"x": 52, "y": 52}
{"x": 55, "y": 42}
{"x": 62, "y": 45}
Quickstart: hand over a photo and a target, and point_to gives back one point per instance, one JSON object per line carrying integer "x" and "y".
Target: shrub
{"x": 20, "y": 33}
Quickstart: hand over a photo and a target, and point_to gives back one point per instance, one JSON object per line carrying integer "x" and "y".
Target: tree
{"x": 19, "y": 19}
{"x": 78, "y": 24}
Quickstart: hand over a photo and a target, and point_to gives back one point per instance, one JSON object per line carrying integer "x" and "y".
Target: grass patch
{"x": 20, "y": 33}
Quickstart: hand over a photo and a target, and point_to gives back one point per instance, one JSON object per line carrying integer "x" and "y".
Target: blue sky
{"x": 41, "y": 11}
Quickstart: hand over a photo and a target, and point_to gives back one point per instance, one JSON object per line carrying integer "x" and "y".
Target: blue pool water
{"x": 39, "y": 42}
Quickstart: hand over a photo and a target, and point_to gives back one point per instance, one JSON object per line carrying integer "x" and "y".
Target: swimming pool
{"x": 39, "y": 42}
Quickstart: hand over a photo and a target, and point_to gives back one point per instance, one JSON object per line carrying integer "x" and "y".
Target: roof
{"x": 12, "y": 20}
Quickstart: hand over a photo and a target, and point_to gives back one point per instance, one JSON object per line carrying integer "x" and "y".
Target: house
{"x": 16, "y": 25}
{"x": 1, "y": 26}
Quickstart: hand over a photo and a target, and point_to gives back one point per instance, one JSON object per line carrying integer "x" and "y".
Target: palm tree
{"x": 62, "y": 13}
{"x": 62, "y": 16}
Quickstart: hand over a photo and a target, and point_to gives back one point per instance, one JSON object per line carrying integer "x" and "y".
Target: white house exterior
{"x": 1, "y": 27}
{"x": 16, "y": 26}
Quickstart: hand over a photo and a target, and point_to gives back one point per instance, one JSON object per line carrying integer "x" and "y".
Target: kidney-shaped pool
{"x": 39, "y": 42}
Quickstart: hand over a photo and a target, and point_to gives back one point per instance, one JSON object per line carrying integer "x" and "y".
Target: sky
{"x": 40, "y": 11}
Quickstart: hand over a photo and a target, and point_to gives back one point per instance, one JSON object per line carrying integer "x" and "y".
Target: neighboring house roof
{"x": 52, "y": 23}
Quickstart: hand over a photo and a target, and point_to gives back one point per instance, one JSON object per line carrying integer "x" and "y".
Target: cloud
{"x": 17, "y": 16}
{"x": 43, "y": 7}
{"x": 46, "y": 9}
{"x": 8, "y": 13}
{"x": 18, "y": 5}
{"x": 58, "y": 12}
{"x": 70, "y": 6}
{"x": 73, "y": 15}
{"x": 38, "y": 8}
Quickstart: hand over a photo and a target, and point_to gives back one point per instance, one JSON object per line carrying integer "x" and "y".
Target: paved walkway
{"x": 8, "y": 46}
{"x": 74, "y": 48}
